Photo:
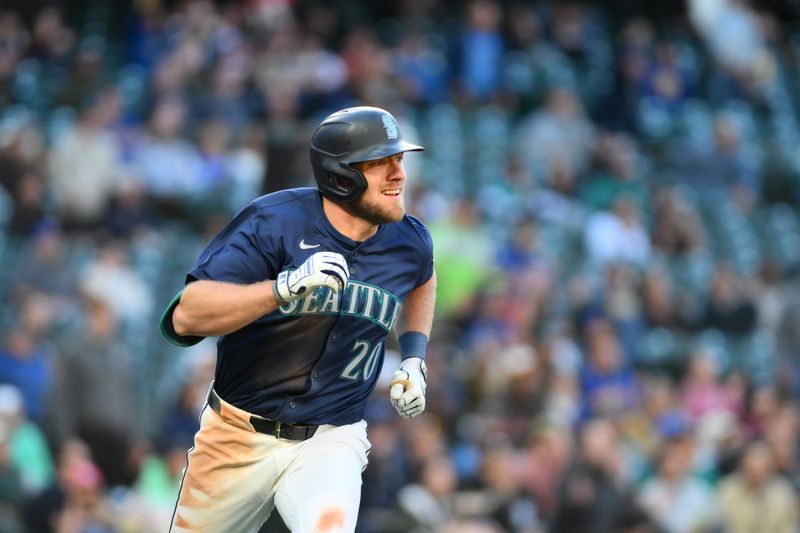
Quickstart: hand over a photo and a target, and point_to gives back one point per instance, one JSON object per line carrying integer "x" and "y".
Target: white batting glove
{"x": 407, "y": 388}
{"x": 323, "y": 269}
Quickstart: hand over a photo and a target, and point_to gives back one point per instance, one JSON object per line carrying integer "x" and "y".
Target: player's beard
{"x": 374, "y": 213}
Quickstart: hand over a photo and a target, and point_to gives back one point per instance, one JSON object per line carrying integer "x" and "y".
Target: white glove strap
{"x": 280, "y": 288}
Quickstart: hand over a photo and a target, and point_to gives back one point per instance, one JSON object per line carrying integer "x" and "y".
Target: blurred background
{"x": 612, "y": 190}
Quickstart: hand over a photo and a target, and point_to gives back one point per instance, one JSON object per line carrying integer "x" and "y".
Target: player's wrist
{"x": 412, "y": 344}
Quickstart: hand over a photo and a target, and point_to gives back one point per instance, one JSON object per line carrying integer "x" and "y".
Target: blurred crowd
{"x": 613, "y": 199}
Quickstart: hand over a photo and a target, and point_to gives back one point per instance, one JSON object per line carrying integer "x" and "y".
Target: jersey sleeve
{"x": 244, "y": 251}
{"x": 425, "y": 251}
{"x": 168, "y": 329}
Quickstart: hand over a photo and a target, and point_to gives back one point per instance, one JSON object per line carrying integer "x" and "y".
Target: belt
{"x": 281, "y": 430}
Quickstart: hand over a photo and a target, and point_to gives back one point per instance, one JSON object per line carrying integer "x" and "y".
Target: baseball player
{"x": 302, "y": 287}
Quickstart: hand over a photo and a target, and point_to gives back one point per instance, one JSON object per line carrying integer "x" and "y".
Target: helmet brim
{"x": 380, "y": 151}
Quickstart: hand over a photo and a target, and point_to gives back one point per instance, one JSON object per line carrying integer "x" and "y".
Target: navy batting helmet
{"x": 349, "y": 136}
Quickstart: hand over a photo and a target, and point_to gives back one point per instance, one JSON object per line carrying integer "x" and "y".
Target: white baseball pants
{"x": 235, "y": 477}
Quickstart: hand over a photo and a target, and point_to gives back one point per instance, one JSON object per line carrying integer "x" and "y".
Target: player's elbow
{"x": 182, "y": 322}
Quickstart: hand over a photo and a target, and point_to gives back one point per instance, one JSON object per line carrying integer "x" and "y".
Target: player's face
{"x": 382, "y": 202}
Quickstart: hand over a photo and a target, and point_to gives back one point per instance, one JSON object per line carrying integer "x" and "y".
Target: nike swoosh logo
{"x": 304, "y": 246}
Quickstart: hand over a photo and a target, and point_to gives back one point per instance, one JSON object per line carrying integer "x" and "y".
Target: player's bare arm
{"x": 409, "y": 382}
{"x": 417, "y": 311}
{"x": 211, "y": 308}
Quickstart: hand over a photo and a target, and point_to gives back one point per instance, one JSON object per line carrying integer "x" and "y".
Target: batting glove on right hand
{"x": 407, "y": 388}
{"x": 323, "y": 269}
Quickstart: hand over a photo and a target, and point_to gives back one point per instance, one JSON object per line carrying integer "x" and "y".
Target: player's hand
{"x": 407, "y": 388}
{"x": 323, "y": 269}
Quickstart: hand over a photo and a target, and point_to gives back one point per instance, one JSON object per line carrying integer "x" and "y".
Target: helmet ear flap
{"x": 358, "y": 183}
{"x": 338, "y": 179}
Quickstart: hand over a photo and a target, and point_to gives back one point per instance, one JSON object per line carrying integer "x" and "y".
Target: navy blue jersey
{"x": 315, "y": 360}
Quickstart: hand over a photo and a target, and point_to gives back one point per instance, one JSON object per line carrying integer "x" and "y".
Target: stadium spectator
{"x": 609, "y": 387}
{"x": 27, "y": 448}
{"x": 617, "y": 235}
{"x": 702, "y": 391}
{"x": 14, "y": 40}
{"x": 755, "y": 497}
{"x": 167, "y": 163}
{"x": 42, "y": 512}
{"x": 678, "y": 502}
{"x": 728, "y": 307}
{"x": 95, "y": 400}
{"x": 677, "y": 230}
{"x": 659, "y": 301}
{"x": 477, "y": 54}
{"x": 543, "y": 466}
{"x": 26, "y": 362}
{"x": 788, "y": 338}
{"x": 12, "y": 492}
{"x": 592, "y": 495}
{"x": 724, "y": 169}
{"x": 52, "y": 39}
{"x": 84, "y": 166}
{"x": 736, "y": 41}
{"x": 44, "y": 271}
{"x": 434, "y": 500}
{"x": 557, "y": 134}
{"x": 150, "y": 503}
{"x": 421, "y": 70}
{"x": 111, "y": 279}
{"x": 618, "y": 173}
{"x": 464, "y": 253}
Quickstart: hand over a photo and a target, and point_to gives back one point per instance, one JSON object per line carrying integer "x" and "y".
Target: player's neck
{"x": 346, "y": 223}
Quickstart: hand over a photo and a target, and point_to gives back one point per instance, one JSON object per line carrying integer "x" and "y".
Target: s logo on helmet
{"x": 390, "y": 126}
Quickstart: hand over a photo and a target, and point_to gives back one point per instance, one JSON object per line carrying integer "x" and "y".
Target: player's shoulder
{"x": 300, "y": 203}
{"x": 412, "y": 228}
{"x": 412, "y": 222}
{"x": 288, "y": 198}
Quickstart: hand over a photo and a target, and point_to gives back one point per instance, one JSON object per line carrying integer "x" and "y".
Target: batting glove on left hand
{"x": 407, "y": 388}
